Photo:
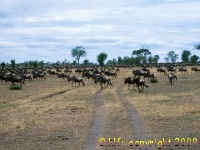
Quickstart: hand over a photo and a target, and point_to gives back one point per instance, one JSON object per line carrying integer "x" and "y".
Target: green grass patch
{"x": 154, "y": 80}
{"x": 15, "y": 87}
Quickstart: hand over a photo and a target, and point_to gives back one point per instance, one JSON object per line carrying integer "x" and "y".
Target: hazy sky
{"x": 49, "y": 29}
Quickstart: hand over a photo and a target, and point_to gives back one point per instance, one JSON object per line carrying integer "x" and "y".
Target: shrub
{"x": 15, "y": 87}
{"x": 154, "y": 80}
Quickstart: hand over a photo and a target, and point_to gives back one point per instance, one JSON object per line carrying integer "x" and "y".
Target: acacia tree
{"x": 86, "y": 62}
{"x": 166, "y": 59}
{"x": 194, "y": 59}
{"x": 13, "y": 64}
{"x": 156, "y": 58}
{"x": 101, "y": 59}
{"x": 78, "y": 52}
{"x": 172, "y": 56}
{"x": 3, "y": 65}
{"x": 119, "y": 60}
{"x": 185, "y": 56}
{"x": 142, "y": 54}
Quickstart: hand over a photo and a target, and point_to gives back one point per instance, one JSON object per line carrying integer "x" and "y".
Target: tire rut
{"x": 139, "y": 127}
{"x": 98, "y": 123}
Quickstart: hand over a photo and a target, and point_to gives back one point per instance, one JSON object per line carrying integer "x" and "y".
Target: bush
{"x": 154, "y": 80}
{"x": 15, "y": 87}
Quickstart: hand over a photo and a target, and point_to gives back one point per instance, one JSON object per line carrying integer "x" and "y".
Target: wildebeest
{"x": 79, "y": 80}
{"x": 113, "y": 74}
{"x": 17, "y": 79}
{"x": 140, "y": 83}
{"x": 195, "y": 69}
{"x": 103, "y": 80}
{"x": 27, "y": 76}
{"x": 62, "y": 76}
{"x": 162, "y": 70}
{"x": 129, "y": 80}
{"x": 183, "y": 70}
{"x": 172, "y": 77}
{"x": 76, "y": 79}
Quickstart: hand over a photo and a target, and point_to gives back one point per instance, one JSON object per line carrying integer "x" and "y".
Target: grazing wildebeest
{"x": 129, "y": 80}
{"x": 87, "y": 74}
{"x": 172, "y": 77}
{"x": 183, "y": 70}
{"x": 195, "y": 69}
{"x": 117, "y": 70}
{"x": 140, "y": 83}
{"x": 103, "y": 80}
{"x": 77, "y": 79}
{"x": 79, "y": 71}
{"x": 39, "y": 75}
{"x": 113, "y": 74}
{"x": 68, "y": 71}
{"x": 162, "y": 70}
{"x": 62, "y": 76}
{"x": 171, "y": 69}
{"x": 27, "y": 76}
{"x": 95, "y": 75}
{"x": 6, "y": 77}
{"x": 17, "y": 79}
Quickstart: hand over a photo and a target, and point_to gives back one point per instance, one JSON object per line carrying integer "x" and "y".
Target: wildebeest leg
{"x": 83, "y": 83}
{"x": 78, "y": 84}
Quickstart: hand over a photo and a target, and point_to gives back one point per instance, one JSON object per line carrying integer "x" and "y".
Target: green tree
{"x": 30, "y": 64}
{"x": 119, "y": 60}
{"x": 156, "y": 58}
{"x": 150, "y": 59}
{"x": 142, "y": 54}
{"x": 13, "y": 64}
{"x": 35, "y": 64}
{"x": 78, "y": 52}
{"x": 194, "y": 59}
{"x": 3, "y": 65}
{"x": 172, "y": 56}
{"x": 41, "y": 63}
{"x": 114, "y": 62}
{"x": 101, "y": 59}
{"x": 166, "y": 59}
{"x": 86, "y": 62}
{"x": 185, "y": 56}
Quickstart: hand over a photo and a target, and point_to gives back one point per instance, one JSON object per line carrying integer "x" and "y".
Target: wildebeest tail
{"x": 146, "y": 86}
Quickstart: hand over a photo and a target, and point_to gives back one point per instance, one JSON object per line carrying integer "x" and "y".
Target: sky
{"x": 49, "y": 29}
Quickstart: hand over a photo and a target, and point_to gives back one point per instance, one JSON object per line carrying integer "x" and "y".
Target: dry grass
{"x": 55, "y": 115}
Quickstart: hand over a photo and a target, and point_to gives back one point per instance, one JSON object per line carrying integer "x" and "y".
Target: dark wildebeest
{"x": 27, "y": 76}
{"x": 77, "y": 79}
{"x": 62, "y": 76}
{"x": 183, "y": 70}
{"x": 39, "y": 75}
{"x": 162, "y": 70}
{"x": 113, "y": 74}
{"x": 195, "y": 69}
{"x": 129, "y": 80}
{"x": 87, "y": 74}
{"x": 103, "y": 80}
{"x": 18, "y": 79}
{"x": 172, "y": 77}
{"x": 140, "y": 83}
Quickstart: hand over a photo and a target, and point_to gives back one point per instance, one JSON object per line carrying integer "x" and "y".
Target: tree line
{"x": 140, "y": 56}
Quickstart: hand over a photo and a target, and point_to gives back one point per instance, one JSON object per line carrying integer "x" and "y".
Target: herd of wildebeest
{"x": 97, "y": 75}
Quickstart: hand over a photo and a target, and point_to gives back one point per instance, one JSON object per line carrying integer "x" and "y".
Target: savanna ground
{"x": 54, "y": 115}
